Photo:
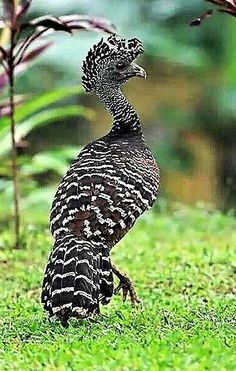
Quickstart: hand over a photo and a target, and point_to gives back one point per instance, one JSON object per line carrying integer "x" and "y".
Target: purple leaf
{"x": 9, "y": 9}
{"x": 25, "y": 44}
{"x": 221, "y": 2}
{"x": 23, "y": 64}
{"x": 3, "y": 80}
{"x": 233, "y": 13}
{"x": 34, "y": 53}
{"x": 228, "y": 4}
{"x": 216, "y": 2}
{"x": 5, "y": 108}
{"x": 72, "y": 22}
{"x": 22, "y": 8}
{"x": 85, "y": 22}
{"x": 48, "y": 22}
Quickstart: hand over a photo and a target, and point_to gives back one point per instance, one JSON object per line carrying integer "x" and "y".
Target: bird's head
{"x": 111, "y": 63}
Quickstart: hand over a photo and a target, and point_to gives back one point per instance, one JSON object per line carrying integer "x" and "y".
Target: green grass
{"x": 181, "y": 261}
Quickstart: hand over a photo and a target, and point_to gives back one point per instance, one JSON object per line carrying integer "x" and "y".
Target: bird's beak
{"x": 139, "y": 71}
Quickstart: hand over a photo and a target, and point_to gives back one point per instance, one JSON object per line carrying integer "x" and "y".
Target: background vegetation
{"x": 180, "y": 258}
{"x": 187, "y": 108}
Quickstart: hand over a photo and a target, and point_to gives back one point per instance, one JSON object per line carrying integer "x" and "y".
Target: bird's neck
{"x": 125, "y": 118}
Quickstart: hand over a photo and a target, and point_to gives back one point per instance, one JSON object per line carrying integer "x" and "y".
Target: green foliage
{"x": 39, "y": 120}
{"x": 35, "y": 201}
{"x": 183, "y": 270}
{"x": 38, "y": 180}
{"x": 38, "y": 112}
{"x": 55, "y": 161}
{"x": 46, "y": 99}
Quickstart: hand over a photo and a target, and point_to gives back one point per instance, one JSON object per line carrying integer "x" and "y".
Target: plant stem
{"x": 13, "y": 141}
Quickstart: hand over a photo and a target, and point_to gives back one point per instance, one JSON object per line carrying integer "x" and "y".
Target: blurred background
{"x": 187, "y": 105}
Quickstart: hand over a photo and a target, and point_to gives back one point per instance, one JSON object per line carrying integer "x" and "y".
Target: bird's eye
{"x": 120, "y": 65}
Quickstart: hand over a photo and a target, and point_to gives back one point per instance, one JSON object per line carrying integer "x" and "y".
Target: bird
{"x": 109, "y": 185}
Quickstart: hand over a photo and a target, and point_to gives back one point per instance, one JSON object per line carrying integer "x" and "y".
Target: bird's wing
{"x": 101, "y": 199}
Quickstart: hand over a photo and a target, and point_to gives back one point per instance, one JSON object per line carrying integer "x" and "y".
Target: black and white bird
{"x": 107, "y": 187}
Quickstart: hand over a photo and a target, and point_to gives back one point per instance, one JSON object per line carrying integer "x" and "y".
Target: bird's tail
{"x": 78, "y": 276}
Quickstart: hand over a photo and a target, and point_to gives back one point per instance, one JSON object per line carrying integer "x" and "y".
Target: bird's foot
{"x": 127, "y": 287}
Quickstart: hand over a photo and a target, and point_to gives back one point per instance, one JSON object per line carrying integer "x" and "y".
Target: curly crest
{"x": 115, "y": 48}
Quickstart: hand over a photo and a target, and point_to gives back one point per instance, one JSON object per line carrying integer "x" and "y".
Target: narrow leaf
{"x": 25, "y": 44}
{"x": 55, "y": 160}
{"x": 44, "y": 100}
{"x": 5, "y": 108}
{"x": 233, "y": 13}
{"x": 39, "y": 102}
{"x": 22, "y": 8}
{"x": 3, "y": 80}
{"x": 40, "y": 119}
{"x": 24, "y": 64}
{"x": 72, "y": 22}
{"x": 36, "y": 52}
{"x": 219, "y": 2}
{"x": 85, "y": 22}
{"x": 49, "y": 22}
{"x": 223, "y": 3}
{"x": 8, "y": 9}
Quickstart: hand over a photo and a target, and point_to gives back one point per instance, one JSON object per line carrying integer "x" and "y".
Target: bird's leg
{"x": 126, "y": 286}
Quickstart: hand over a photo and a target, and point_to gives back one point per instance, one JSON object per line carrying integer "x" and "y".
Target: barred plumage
{"x": 108, "y": 186}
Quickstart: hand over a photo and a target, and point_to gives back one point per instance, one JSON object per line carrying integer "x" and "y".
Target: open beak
{"x": 139, "y": 71}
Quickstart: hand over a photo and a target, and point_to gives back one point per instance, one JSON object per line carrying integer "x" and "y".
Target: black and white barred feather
{"x": 108, "y": 186}
{"x": 112, "y": 48}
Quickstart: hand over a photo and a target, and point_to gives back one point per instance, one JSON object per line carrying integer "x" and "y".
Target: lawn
{"x": 182, "y": 261}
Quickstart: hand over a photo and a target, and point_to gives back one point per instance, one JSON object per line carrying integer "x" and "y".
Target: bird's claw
{"x": 127, "y": 287}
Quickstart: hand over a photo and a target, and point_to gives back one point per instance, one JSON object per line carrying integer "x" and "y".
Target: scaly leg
{"x": 126, "y": 286}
